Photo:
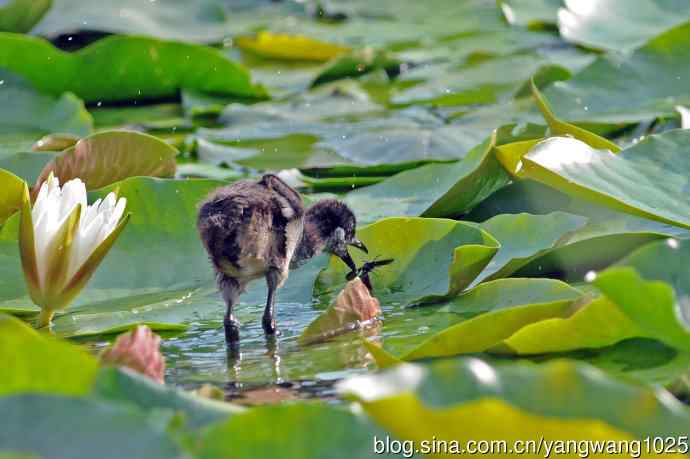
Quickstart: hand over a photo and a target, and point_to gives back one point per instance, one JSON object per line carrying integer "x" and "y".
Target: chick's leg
{"x": 230, "y": 289}
{"x": 273, "y": 280}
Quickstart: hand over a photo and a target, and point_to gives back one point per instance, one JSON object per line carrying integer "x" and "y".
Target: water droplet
{"x": 590, "y": 276}
{"x": 672, "y": 243}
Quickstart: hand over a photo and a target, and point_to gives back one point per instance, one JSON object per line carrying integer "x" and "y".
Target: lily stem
{"x": 45, "y": 318}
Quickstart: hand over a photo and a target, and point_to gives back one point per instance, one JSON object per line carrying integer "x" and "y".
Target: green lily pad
{"x": 465, "y": 399}
{"x": 149, "y": 68}
{"x": 127, "y": 387}
{"x": 356, "y": 64}
{"x": 246, "y": 436}
{"x": 199, "y": 21}
{"x": 74, "y": 428}
{"x": 34, "y": 362}
{"x": 589, "y": 24}
{"x": 23, "y": 109}
{"x": 263, "y": 140}
{"x": 483, "y": 317}
{"x": 660, "y": 309}
{"x": 110, "y": 156}
{"x": 616, "y": 89}
{"x": 22, "y": 15}
{"x": 491, "y": 81}
{"x": 525, "y": 237}
{"x": 647, "y": 179}
{"x": 434, "y": 190}
{"x": 424, "y": 250}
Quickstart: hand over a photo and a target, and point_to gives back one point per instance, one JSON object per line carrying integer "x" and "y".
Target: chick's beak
{"x": 347, "y": 259}
{"x": 359, "y": 244}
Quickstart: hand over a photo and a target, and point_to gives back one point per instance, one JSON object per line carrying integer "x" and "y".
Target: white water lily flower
{"x": 63, "y": 240}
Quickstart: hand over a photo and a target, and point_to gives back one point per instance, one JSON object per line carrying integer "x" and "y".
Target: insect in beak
{"x": 359, "y": 244}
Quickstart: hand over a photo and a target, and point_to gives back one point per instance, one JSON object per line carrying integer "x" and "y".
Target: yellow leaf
{"x": 290, "y": 47}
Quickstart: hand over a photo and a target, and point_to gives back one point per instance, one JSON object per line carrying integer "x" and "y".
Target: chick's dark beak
{"x": 347, "y": 259}
{"x": 359, "y": 244}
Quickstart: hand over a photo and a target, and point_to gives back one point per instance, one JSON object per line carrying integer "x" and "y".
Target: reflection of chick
{"x": 259, "y": 229}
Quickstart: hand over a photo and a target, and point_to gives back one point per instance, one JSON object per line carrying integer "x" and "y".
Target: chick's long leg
{"x": 273, "y": 277}
{"x": 230, "y": 290}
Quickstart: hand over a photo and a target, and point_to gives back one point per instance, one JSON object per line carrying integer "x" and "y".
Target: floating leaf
{"x": 481, "y": 318}
{"x": 589, "y": 24}
{"x": 148, "y": 68}
{"x": 32, "y": 362}
{"x": 24, "y": 109}
{"x": 356, "y": 64}
{"x": 110, "y": 156}
{"x": 118, "y": 385}
{"x": 433, "y": 258}
{"x": 617, "y": 89}
{"x": 245, "y": 435}
{"x": 647, "y": 179}
{"x": 524, "y": 237}
{"x": 69, "y": 428}
{"x": 435, "y": 190}
{"x": 468, "y": 399}
{"x": 289, "y": 47}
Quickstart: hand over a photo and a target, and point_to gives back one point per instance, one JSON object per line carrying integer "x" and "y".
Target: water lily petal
{"x": 27, "y": 249}
{"x": 58, "y": 254}
{"x": 84, "y": 273}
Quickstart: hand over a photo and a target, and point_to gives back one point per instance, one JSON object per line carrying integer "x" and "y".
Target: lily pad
{"x": 435, "y": 190}
{"x": 648, "y": 179}
{"x": 23, "y": 109}
{"x": 110, "y": 156}
{"x": 615, "y": 89}
{"x": 466, "y": 399}
{"x": 589, "y": 24}
{"x": 126, "y": 387}
{"x": 245, "y": 435}
{"x": 483, "y": 317}
{"x": 524, "y": 237}
{"x": 148, "y": 68}
{"x": 33, "y": 362}
{"x": 258, "y": 140}
{"x": 424, "y": 250}
{"x": 83, "y": 428}
{"x": 491, "y": 81}
{"x": 289, "y": 47}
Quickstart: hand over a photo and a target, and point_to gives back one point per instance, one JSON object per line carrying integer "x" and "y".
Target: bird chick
{"x": 253, "y": 229}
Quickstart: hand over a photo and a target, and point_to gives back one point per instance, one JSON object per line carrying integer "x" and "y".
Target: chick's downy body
{"x": 254, "y": 229}
{"x": 250, "y": 227}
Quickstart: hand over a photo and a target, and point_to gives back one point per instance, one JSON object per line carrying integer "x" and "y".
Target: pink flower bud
{"x": 139, "y": 350}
